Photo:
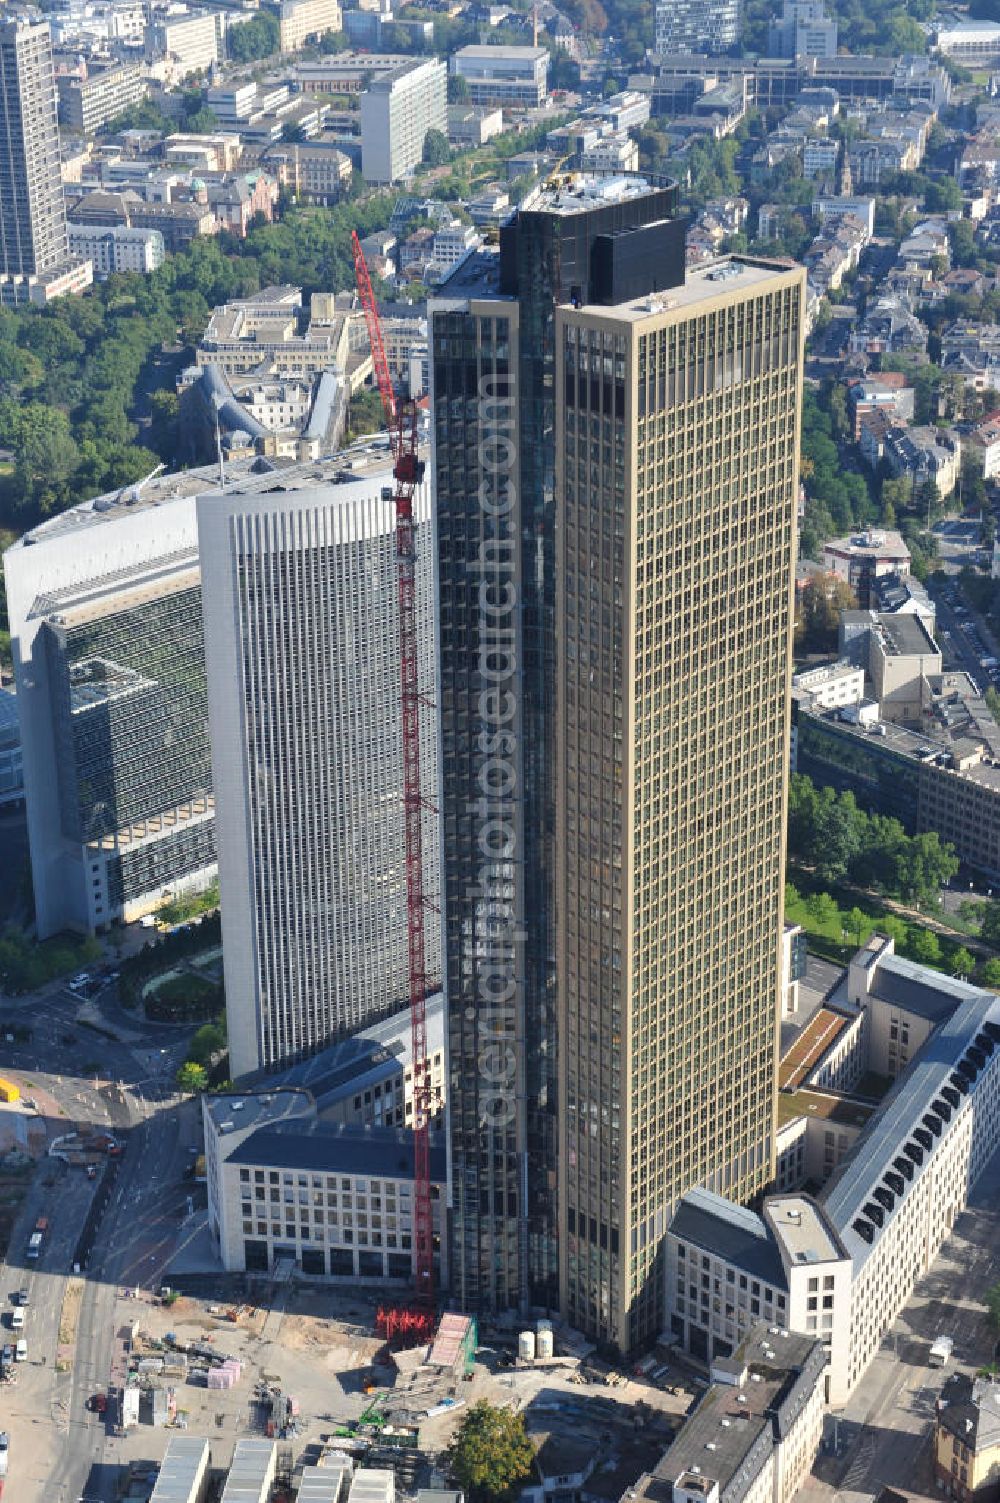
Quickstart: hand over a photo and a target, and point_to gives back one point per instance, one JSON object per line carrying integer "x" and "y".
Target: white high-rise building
{"x": 302, "y": 647}
{"x": 397, "y": 111}
{"x": 697, "y": 25}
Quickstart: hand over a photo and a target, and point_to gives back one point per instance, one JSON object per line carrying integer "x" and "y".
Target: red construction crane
{"x": 407, "y": 470}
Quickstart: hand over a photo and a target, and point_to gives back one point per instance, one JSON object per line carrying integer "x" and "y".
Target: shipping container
{"x": 184, "y": 1471}
{"x": 9, "y": 1092}
{"x": 251, "y": 1475}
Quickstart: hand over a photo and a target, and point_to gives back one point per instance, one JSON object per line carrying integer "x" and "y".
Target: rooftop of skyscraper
{"x": 255, "y": 473}
{"x": 577, "y": 192}
{"x": 711, "y": 280}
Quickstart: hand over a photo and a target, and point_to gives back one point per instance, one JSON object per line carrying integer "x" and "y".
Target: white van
{"x": 17, "y": 1320}
{"x": 21, "y": 1351}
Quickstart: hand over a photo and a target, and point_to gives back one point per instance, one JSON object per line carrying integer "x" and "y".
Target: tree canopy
{"x": 490, "y": 1456}
{"x": 829, "y": 832}
{"x": 250, "y": 40}
{"x": 87, "y": 399}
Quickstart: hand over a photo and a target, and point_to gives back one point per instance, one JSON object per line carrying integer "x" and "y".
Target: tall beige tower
{"x": 677, "y": 434}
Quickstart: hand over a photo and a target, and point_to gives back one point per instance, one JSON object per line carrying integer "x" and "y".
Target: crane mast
{"x": 407, "y": 470}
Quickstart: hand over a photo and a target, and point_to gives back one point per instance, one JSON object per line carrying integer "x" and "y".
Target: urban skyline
{"x": 499, "y": 857}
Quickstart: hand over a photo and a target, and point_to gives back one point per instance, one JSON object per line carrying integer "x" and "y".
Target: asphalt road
{"x": 136, "y": 1237}
{"x": 59, "y": 1451}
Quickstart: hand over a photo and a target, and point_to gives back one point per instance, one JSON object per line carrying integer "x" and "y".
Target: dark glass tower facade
{"x": 493, "y": 379}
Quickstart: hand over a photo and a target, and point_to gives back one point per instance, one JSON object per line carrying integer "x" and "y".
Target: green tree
{"x": 943, "y": 194}
{"x": 822, "y": 909}
{"x": 436, "y": 149}
{"x": 925, "y": 946}
{"x": 962, "y": 234}
{"x": 254, "y": 39}
{"x": 192, "y": 1077}
{"x": 491, "y": 1456}
{"x": 927, "y": 865}
{"x": 458, "y": 89}
{"x": 820, "y": 605}
{"x": 858, "y": 925}
{"x": 961, "y": 963}
{"x": 209, "y": 1040}
{"x": 990, "y": 974}
{"x": 990, "y": 926}
{"x": 894, "y": 928}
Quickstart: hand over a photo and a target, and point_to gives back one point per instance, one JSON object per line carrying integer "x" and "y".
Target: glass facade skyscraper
{"x": 493, "y": 359}
{"x": 109, "y": 657}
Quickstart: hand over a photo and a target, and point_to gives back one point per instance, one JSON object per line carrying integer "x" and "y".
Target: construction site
{"x": 313, "y": 1383}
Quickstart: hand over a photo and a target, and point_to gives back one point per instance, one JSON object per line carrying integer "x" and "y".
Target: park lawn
{"x": 829, "y": 936}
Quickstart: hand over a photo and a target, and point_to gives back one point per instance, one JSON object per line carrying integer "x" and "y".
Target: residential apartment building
{"x": 494, "y": 431}
{"x": 706, "y": 26}
{"x": 804, "y": 30}
{"x": 302, "y": 640}
{"x": 511, "y": 78}
{"x": 35, "y": 263}
{"x": 192, "y": 41}
{"x": 117, "y": 248}
{"x": 865, "y": 556}
{"x": 106, "y": 621}
{"x": 967, "y": 1440}
{"x": 302, "y": 21}
{"x": 669, "y": 883}
{"x": 91, "y": 97}
{"x": 397, "y": 111}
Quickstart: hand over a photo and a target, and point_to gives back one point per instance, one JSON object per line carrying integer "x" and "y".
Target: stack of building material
{"x": 225, "y": 1376}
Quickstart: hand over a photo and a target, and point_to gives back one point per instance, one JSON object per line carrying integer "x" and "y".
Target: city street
{"x": 57, "y": 1448}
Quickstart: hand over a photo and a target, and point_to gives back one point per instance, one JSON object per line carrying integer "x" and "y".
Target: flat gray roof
{"x": 182, "y": 1470}
{"x": 730, "y": 1435}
